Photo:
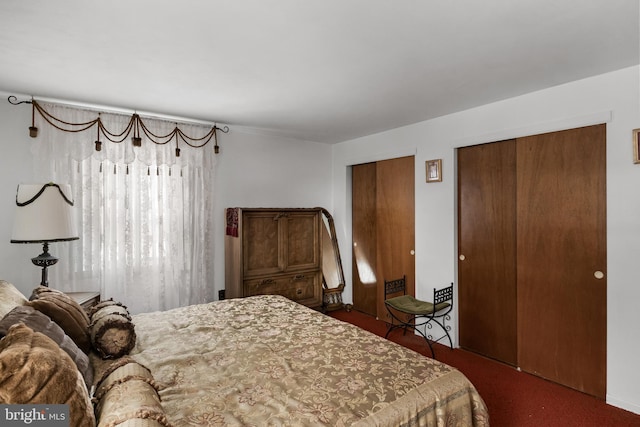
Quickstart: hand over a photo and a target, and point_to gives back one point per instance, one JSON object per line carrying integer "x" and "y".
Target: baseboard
{"x": 627, "y": 406}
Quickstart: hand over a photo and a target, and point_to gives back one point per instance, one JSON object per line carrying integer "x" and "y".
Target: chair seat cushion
{"x": 411, "y": 305}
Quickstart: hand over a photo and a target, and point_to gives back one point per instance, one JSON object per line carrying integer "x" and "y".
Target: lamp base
{"x": 44, "y": 260}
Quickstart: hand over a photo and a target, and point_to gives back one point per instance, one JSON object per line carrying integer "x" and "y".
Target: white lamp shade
{"x": 44, "y": 213}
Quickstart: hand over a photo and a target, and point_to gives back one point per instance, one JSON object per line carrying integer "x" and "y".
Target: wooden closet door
{"x": 487, "y": 250}
{"x": 395, "y": 225}
{"x": 383, "y": 206}
{"x": 561, "y": 257}
{"x": 364, "y": 238}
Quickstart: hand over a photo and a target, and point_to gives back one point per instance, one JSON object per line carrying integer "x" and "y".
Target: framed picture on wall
{"x": 636, "y": 146}
{"x": 434, "y": 170}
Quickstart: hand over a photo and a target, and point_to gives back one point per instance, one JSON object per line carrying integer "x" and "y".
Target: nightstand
{"x": 85, "y": 299}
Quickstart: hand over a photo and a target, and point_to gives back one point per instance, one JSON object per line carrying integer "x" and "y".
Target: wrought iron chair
{"x": 408, "y": 312}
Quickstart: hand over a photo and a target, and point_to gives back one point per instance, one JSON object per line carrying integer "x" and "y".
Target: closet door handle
{"x": 598, "y": 275}
{"x": 462, "y": 257}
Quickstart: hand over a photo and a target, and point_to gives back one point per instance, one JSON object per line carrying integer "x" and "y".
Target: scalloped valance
{"x": 117, "y": 128}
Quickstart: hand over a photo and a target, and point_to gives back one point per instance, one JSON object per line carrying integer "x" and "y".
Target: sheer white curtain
{"x": 144, "y": 215}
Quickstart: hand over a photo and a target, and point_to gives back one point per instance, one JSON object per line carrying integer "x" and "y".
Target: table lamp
{"x": 44, "y": 214}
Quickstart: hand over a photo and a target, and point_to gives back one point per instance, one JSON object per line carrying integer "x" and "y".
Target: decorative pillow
{"x": 139, "y": 422}
{"x": 34, "y": 370}
{"x": 111, "y": 330}
{"x": 39, "y": 322}
{"x": 126, "y": 395}
{"x": 66, "y": 312}
{"x": 119, "y": 371}
{"x": 10, "y": 297}
{"x": 102, "y": 304}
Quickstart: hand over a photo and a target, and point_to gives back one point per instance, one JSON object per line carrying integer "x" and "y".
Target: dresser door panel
{"x": 302, "y": 249}
{"x": 261, "y": 239}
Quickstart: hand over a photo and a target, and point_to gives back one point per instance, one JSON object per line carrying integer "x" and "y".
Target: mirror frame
{"x": 332, "y": 297}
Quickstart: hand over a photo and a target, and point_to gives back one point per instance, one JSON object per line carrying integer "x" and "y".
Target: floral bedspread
{"x": 265, "y": 360}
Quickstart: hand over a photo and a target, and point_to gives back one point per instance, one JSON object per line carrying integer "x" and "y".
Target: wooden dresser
{"x": 274, "y": 251}
{"x": 85, "y": 299}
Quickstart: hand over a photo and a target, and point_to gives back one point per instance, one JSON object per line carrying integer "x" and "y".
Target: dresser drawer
{"x": 301, "y": 287}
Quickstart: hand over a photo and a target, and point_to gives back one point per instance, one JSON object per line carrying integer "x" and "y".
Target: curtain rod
{"x": 116, "y": 110}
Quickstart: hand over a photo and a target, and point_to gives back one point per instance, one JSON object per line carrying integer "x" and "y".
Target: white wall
{"x": 264, "y": 171}
{"x": 613, "y": 98}
{"x": 253, "y": 170}
{"x": 15, "y": 167}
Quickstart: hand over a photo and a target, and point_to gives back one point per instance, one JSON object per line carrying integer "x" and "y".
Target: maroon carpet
{"x": 514, "y": 398}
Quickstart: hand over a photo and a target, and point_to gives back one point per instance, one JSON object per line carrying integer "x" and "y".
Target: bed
{"x": 265, "y": 360}
{"x": 256, "y": 361}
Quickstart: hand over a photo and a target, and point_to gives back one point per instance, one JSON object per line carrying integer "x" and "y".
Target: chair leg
{"x": 405, "y": 326}
{"x": 433, "y": 354}
{"x": 391, "y": 328}
{"x": 444, "y": 329}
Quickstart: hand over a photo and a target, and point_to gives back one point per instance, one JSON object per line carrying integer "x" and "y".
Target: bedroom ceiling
{"x": 318, "y": 70}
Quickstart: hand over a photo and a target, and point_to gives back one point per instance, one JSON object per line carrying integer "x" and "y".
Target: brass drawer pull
{"x": 297, "y": 277}
{"x": 266, "y": 282}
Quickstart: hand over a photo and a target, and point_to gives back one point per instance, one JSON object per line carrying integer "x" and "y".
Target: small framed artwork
{"x": 434, "y": 170}
{"x": 636, "y": 146}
